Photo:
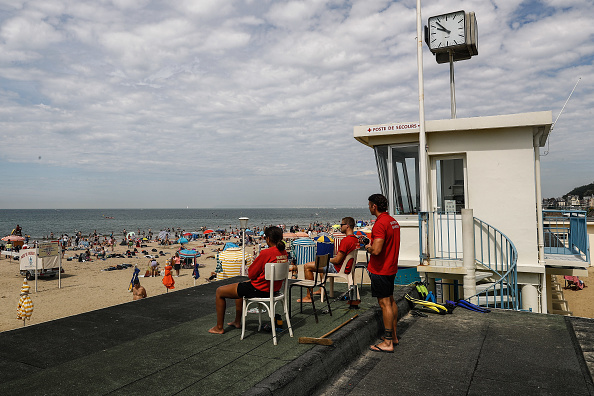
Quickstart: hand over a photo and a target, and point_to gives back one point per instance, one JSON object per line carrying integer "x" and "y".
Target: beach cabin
{"x": 483, "y": 234}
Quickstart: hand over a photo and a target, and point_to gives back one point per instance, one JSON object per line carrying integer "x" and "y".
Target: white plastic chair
{"x": 350, "y": 278}
{"x": 273, "y": 272}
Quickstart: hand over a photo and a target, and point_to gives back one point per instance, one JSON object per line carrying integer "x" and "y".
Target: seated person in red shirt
{"x": 347, "y": 245}
{"x": 257, "y": 286}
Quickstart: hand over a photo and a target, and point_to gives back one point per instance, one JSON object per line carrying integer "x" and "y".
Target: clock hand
{"x": 443, "y": 29}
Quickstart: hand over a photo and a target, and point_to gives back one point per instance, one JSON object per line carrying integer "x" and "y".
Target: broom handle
{"x": 332, "y": 331}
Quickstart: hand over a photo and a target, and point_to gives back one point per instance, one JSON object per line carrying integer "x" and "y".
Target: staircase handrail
{"x": 508, "y": 294}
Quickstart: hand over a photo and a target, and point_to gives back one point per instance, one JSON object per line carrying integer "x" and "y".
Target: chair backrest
{"x": 276, "y": 271}
{"x": 351, "y": 256}
{"x": 321, "y": 262}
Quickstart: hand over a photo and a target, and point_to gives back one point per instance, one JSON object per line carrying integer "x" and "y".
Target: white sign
{"x": 396, "y": 127}
{"x": 450, "y": 206}
{"x": 47, "y": 249}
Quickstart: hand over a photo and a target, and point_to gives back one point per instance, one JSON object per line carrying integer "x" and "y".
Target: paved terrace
{"x": 160, "y": 345}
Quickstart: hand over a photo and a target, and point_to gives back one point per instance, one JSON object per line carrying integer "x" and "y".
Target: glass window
{"x": 450, "y": 185}
{"x": 398, "y": 170}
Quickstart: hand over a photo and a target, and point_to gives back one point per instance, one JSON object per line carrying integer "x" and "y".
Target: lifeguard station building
{"x": 484, "y": 235}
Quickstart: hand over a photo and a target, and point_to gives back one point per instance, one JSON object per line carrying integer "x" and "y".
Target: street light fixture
{"x": 243, "y": 225}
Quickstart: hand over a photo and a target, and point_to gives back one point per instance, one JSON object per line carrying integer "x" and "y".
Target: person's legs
{"x": 389, "y": 320}
{"x": 308, "y": 273}
{"x": 223, "y": 292}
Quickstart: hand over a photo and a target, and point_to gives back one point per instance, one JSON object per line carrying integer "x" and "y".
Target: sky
{"x": 252, "y": 103}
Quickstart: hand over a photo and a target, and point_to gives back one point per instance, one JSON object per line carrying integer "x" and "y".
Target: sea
{"x": 40, "y": 223}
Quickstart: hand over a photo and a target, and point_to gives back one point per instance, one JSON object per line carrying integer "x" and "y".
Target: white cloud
{"x": 216, "y": 94}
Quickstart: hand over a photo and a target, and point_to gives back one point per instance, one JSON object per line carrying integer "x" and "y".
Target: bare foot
{"x": 216, "y": 330}
{"x": 382, "y": 347}
{"x": 318, "y": 293}
{"x": 236, "y": 324}
{"x": 305, "y": 300}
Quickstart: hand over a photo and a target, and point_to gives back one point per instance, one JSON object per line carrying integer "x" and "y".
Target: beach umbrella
{"x": 361, "y": 233}
{"x": 187, "y": 253}
{"x": 323, "y": 233}
{"x": 25, "y": 308}
{"x": 188, "y": 234}
{"x": 208, "y": 231}
{"x": 249, "y": 232}
{"x": 182, "y": 240}
{"x": 231, "y": 262}
{"x": 262, "y": 233}
{"x": 168, "y": 280}
{"x": 302, "y": 234}
{"x": 336, "y": 226}
{"x": 324, "y": 239}
{"x": 134, "y": 277}
{"x": 13, "y": 238}
{"x": 289, "y": 235}
{"x": 229, "y": 245}
{"x": 145, "y": 239}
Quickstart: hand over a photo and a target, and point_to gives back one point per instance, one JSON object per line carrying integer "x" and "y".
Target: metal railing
{"x": 443, "y": 235}
{"x": 440, "y": 240}
{"x": 496, "y": 252}
{"x": 565, "y": 233}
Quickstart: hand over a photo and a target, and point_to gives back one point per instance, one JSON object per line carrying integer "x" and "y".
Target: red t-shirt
{"x": 257, "y": 273}
{"x": 347, "y": 245}
{"x": 386, "y": 228}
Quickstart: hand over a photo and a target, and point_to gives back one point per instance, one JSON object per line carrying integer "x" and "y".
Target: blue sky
{"x": 252, "y": 103}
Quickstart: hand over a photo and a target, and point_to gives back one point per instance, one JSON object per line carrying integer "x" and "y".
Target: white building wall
{"x": 500, "y": 181}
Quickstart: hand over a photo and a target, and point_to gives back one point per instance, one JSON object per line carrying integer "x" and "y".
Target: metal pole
{"x": 243, "y": 255}
{"x": 452, "y": 85}
{"x": 422, "y": 137}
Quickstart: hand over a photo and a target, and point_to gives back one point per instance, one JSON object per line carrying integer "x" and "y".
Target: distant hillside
{"x": 582, "y": 191}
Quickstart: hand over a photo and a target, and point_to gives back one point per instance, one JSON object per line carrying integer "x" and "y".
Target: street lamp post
{"x": 243, "y": 225}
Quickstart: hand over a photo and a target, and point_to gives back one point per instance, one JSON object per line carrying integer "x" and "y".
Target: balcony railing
{"x": 565, "y": 233}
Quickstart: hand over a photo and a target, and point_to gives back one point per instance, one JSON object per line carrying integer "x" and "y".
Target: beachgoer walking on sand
{"x": 257, "y": 286}
{"x": 177, "y": 264}
{"x": 138, "y": 292}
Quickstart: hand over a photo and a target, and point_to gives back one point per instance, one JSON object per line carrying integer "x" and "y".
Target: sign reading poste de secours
{"x": 47, "y": 249}
{"x": 395, "y": 127}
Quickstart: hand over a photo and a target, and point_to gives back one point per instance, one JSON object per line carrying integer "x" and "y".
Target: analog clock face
{"x": 446, "y": 31}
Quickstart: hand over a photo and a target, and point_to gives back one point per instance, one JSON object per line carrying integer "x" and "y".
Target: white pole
{"x": 243, "y": 255}
{"x": 422, "y": 137}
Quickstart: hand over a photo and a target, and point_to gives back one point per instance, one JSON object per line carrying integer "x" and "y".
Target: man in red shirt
{"x": 383, "y": 265}
{"x": 347, "y": 245}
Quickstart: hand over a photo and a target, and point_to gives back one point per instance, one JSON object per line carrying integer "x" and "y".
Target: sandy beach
{"x": 85, "y": 287}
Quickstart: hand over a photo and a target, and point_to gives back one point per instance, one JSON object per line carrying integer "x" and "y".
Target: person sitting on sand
{"x": 347, "y": 245}
{"x": 138, "y": 292}
{"x": 257, "y": 286}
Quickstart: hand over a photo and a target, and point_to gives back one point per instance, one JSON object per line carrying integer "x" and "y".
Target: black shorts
{"x": 246, "y": 289}
{"x": 382, "y": 285}
{"x": 176, "y": 266}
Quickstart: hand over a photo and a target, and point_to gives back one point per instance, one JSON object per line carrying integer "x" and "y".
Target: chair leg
{"x": 243, "y": 318}
{"x": 313, "y": 304}
{"x": 272, "y": 323}
{"x": 327, "y": 300}
{"x": 331, "y": 280}
{"x": 288, "y": 317}
{"x": 290, "y": 289}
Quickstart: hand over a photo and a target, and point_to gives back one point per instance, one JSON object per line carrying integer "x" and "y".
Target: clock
{"x": 453, "y": 33}
{"x": 447, "y": 31}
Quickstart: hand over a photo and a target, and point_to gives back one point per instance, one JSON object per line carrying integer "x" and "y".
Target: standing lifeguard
{"x": 383, "y": 266}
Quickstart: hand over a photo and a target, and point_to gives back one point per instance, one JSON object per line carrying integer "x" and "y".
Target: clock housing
{"x": 454, "y": 32}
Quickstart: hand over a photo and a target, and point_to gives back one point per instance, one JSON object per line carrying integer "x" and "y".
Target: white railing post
{"x": 468, "y": 253}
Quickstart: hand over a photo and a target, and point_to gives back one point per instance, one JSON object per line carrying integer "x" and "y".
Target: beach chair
{"x": 321, "y": 262}
{"x": 273, "y": 272}
{"x": 350, "y": 277}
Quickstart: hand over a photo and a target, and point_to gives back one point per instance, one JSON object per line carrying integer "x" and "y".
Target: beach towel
{"x": 168, "y": 280}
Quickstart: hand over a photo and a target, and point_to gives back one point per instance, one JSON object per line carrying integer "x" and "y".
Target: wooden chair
{"x": 321, "y": 262}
